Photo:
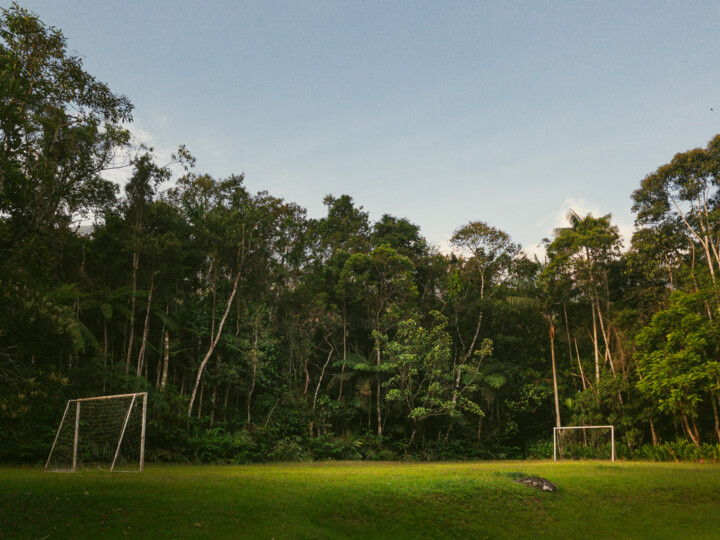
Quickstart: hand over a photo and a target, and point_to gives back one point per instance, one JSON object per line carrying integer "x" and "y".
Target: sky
{"x": 443, "y": 112}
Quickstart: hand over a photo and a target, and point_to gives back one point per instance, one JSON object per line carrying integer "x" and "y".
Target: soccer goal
{"x": 105, "y": 432}
{"x": 584, "y": 442}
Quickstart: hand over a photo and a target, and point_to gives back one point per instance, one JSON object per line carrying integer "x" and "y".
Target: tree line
{"x": 261, "y": 333}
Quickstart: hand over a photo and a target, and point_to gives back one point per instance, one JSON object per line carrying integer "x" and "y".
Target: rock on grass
{"x": 536, "y": 482}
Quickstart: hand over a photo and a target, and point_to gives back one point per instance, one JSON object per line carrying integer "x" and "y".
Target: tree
{"x": 490, "y": 254}
{"x": 382, "y": 280}
{"x": 345, "y": 228}
{"x": 677, "y": 355}
{"x": 223, "y": 216}
{"x": 684, "y": 195}
{"x": 401, "y": 235}
{"x": 61, "y": 128}
{"x": 582, "y": 254}
{"x": 419, "y": 362}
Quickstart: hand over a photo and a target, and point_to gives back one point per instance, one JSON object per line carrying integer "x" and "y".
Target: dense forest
{"x": 260, "y": 333}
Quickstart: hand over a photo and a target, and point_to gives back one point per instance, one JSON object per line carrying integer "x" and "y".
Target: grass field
{"x": 365, "y": 500}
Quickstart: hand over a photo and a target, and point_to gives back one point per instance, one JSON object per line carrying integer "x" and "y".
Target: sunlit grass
{"x": 366, "y": 500}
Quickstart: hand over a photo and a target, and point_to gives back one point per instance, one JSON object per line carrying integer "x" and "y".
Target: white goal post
{"x": 106, "y": 432}
{"x": 562, "y": 444}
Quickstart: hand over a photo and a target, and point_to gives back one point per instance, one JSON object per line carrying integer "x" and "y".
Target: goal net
{"x": 584, "y": 442}
{"x": 101, "y": 433}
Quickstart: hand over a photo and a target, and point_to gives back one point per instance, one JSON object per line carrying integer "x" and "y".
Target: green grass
{"x": 365, "y": 500}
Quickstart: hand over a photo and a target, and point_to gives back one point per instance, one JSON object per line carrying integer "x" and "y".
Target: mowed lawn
{"x": 365, "y": 500}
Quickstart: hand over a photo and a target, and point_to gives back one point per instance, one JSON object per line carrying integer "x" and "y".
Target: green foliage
{"x": 264, "y": 335}
{"x": 679, "y": 450}
{"x": 61, "y": 127}
{"x": 540, "y": 449}
{"x": 676, "y": 352}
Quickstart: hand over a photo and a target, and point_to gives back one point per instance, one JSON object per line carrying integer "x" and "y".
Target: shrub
{"x": 678, "y": 450}
{"x": 540, "y": 449}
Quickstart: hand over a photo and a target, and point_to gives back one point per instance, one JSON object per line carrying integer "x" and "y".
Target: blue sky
{"x": 441, "y": 112}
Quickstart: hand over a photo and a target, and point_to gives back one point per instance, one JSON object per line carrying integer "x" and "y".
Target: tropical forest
{"x": 262, "y": 334}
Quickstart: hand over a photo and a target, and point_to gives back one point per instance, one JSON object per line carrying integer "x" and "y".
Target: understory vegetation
{"x": 262, "y": 334}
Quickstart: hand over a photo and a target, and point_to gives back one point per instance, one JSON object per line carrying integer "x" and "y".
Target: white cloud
{"x": 536, "y": 250}
{"x": 582, "y": 207}
{"x": 442, "y": 243}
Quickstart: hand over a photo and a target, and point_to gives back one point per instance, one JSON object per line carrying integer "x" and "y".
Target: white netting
{"x": 584, "y": 442}
{"x": 100, "y": 433}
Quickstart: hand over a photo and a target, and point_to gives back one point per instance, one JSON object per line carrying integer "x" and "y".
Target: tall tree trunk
{"x": 214, "y": 342}
{"x": 307, "y": 374}
{"x": 254, "y": 374}
{"x": 166, "y": 361}
{"x": 595, "y": 344}
{"x": 464, "y": 358}
{"x": 317, "y": 388}
{"x": 146, "y": 328}
{"x": 715, "y": 416}
{"x": 606, "y": 338}
{"x": 379, "y": 411}
{"x": 554, "y": 370}
{"x": 653, "y": 433}
{"x": 412, "y": 436}
{"x": 158, "y": 370}
{"x": 105, "y": 352}
{"x": 342, "y": 370}
{"x": 582, "y": 373}
{"x": 567, "y": 332}
{"x": 692, "y": 433}
{"x": 135, "y": 265}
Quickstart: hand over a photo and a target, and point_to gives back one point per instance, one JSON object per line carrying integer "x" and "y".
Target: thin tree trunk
{"x": 158, "y": 370}
{"x": 317, "y": 389}
{"x": 412, "y": 436}
{"x": 105, "y": 352}
{"x": 135, "y": 265}
{"x": 703, "y": 240}
{"x": 214, "y": 343}
{"x": 715, "y": 416}
{"x": 146, "y": 328}
{"x": 254, "y": 374}
{"x": 669, "y": 268}
{"x": 582, "y": 373}
{"x": 653, "y": 433}
{"x": 269, "y": 416}
{"x": 689, "y": 430}
{"x": 567, "y": 332}
{"x": 595, "y": 344}
{"x": 307, "y": 375}
{"x": 342, "y": 370}
{"x": 554, "y": 370}
{"x": 696, "y": 431}
{"x": 606, "y": 339}
{"x": 166, "y": 362}
{"x": 379, "y": 411}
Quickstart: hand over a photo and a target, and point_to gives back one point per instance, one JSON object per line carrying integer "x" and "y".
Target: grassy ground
{"x": 365, "y": 500}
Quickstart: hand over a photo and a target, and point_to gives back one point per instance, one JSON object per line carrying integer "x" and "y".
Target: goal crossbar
{"x": 563, "y": 428}
{"x": 98, "y": 431}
